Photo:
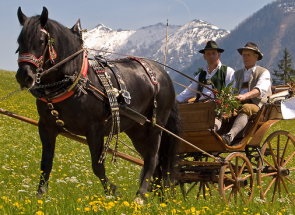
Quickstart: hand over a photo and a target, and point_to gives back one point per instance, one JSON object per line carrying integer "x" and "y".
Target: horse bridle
{"x": 39, "y": 61}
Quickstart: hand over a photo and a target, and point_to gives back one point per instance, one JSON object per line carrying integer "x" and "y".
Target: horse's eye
{"x": 17, "y": 50}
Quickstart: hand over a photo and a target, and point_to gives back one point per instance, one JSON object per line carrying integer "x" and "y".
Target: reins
{"x": 45, "y": 72}
{"x": 164, "y": 65}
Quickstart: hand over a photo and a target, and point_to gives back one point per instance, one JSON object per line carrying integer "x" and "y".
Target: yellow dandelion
{"x": 87, "y": 209}
{"x": 39, "y": 213}
{"x": 163, "y": 205}
{"x": 126, "y": 204}
{"x": 27, "y": 201}
{"x": 40, "y": 201}
{"x": 95, "y": 208}
{"x": 173, "y": 211}
{"x": 111, "y": 204}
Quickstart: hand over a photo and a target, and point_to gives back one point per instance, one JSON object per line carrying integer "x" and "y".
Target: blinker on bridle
{"x": 39, "y": 62}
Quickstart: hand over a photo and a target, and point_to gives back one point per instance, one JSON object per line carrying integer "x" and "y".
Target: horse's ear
{"x": 44, "y": 17}
{"x": 21, "y": 17}
{"x": 77, "y": 28}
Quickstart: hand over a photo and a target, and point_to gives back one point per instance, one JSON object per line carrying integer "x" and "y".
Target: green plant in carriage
{"x": 226, "y": 102}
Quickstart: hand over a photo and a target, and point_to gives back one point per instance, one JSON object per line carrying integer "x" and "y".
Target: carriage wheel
{"x": 203, "y": 188}
{"x": 236, "y": 178}
{"x": 277, "y": 165}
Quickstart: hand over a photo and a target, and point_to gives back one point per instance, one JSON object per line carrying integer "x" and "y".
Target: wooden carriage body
{"x": 233, "y": 167}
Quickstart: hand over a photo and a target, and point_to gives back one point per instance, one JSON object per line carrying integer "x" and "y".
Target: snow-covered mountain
{"x": 180, "y": 43}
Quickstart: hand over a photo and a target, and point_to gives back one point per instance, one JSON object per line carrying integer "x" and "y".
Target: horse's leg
{"x": 147, "y": 142}
{"x": 48, "y": 145}
{"x": 95, "y": 141}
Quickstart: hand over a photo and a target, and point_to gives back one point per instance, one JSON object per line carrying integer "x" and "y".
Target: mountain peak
{"x": 288, "y": 6}
{"x": 102, "y": 27}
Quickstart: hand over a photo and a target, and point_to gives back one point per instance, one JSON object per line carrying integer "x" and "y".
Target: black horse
{"x": 71, "y": 97}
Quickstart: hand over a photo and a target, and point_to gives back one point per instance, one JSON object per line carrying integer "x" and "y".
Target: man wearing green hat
{"x": 253, "y": 84}
{"x": 216, "y": 75}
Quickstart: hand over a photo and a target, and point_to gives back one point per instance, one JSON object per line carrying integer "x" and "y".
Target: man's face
{"x": 249, "y": 58}
{"x": 211, "y": 56}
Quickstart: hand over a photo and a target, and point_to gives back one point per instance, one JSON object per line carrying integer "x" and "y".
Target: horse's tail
{"x": 168, "y": 148}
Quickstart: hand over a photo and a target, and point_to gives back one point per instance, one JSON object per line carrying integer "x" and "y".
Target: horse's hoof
{"x": 111, "y": 190}
{"x": 139, "y": 201}
{"x": 41, "y": 191}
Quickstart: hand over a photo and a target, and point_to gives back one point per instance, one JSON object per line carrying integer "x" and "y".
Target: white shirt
{"x": 190, "y": 91}
{"x": 263, "y": 84}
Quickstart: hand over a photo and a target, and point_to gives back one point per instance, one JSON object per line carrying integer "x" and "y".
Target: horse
{"x": 72, "y": 96}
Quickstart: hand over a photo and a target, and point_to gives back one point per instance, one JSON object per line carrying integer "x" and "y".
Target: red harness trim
{"x": 68, "y": 93}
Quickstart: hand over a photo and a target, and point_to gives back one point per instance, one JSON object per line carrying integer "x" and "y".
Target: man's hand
{"x": 249, "y": 95}
{"x": 241, "y": 97}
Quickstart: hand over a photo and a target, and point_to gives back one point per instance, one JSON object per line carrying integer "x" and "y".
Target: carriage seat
{"x": 278, "y": 96}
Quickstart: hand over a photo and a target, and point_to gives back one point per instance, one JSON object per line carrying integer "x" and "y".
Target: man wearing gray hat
{"x": 253, "y": 84}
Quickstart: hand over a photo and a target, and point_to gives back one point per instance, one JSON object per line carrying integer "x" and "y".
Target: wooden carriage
{"x": 208, "y": 160}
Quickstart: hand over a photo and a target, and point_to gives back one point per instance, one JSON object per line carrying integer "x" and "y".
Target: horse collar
{"x": 71, "y": 89}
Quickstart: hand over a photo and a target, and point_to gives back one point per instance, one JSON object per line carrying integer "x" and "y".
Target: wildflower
{"x": 39, "y": 213}
{"x": 87, "y": 209}
{"x": 173, "y": 211}
{"x": 126, "y": 204}
{"x": 163, "y": 205}
{"x": 40, "y": 201}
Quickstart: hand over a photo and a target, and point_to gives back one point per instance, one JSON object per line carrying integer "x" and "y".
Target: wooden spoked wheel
{"x": 204, "y": 186}
{"x": 276, "y": 173}
{"x": 236, "y": 178}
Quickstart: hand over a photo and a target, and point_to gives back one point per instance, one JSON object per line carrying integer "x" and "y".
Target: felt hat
{"x": 211, "y": 45}
{"x": 251, "y": 46}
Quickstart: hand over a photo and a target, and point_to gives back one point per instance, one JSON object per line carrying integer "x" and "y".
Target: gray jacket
{"x": 239, "y": 80}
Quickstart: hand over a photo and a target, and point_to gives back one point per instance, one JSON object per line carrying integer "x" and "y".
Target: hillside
{"x": 272, "y": 28}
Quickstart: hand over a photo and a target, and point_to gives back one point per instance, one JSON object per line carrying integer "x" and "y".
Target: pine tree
{"x": 285, "y": 72}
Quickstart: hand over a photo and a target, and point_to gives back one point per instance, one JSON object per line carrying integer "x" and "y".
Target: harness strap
{"x": 148, "y": 69}
{"x": 123, "y": 90}
{"x": 112, "y": 94}
{"x": 71, "y": 89}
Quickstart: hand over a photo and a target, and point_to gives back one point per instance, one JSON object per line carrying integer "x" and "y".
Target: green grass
{"x": 73, "y": 188}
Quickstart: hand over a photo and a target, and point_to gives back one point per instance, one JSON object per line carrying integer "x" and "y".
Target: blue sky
{"x": 125, "y": 14}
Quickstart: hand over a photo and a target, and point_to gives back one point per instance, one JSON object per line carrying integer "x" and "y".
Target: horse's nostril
{"x": 24, "y": 78}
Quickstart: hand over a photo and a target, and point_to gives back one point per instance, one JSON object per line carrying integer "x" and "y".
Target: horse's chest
{"x": 74, "y": 116}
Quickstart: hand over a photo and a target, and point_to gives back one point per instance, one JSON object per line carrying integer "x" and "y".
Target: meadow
{"x": 73, "y": 188}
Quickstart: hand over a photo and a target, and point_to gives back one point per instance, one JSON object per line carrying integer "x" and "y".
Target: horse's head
{"x": 42, "y": 43}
